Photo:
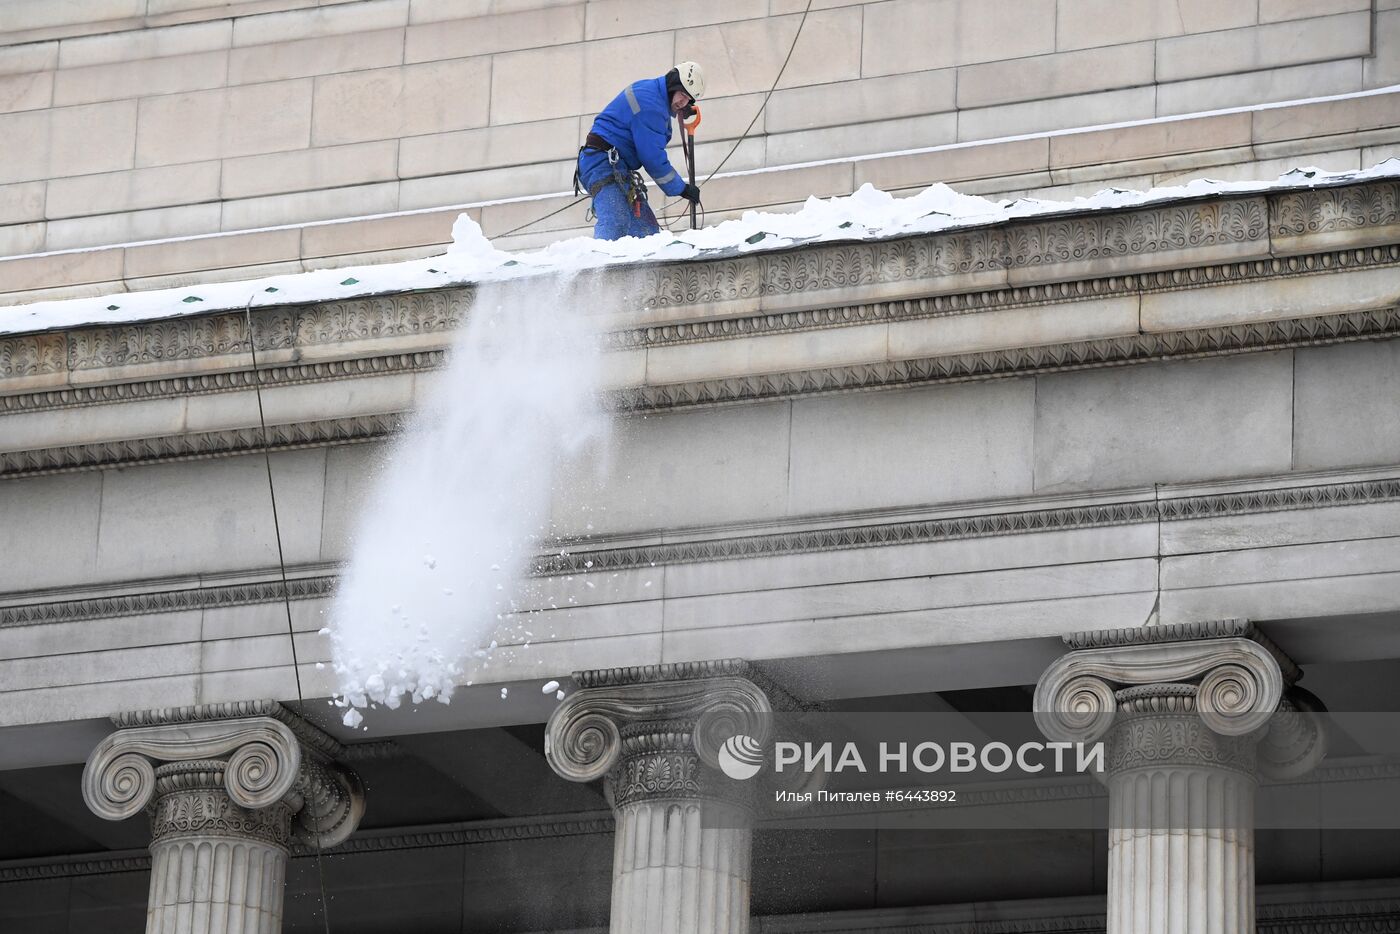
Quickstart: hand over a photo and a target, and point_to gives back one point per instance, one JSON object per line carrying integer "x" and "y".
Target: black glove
{"x": 691, "y": 194}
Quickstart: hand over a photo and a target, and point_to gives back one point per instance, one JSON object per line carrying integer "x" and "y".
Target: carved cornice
{"x": 167, "y": 601}
{"x": 1018, "y": 361}
{"x": 231, "y": 381}
{"x": 42, "y": 354}
{"x": 732, "y": 548}
{"x": 1140, "y": 242}
{"x": 292, "y": 327}
{"x": 1152, "y": 635}
{"x": 675, "y": 671}
{"x": 196, "y": 446}
{"x": 979, "y": 526}
{"x": 1071, "y": 924}
{"x": 1026, "y": 296}
{"x": 1141, "y": 348}
{"x": 86, "y": 864}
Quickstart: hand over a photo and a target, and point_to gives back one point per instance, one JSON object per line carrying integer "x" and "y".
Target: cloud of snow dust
{"x": 455, "y": 517}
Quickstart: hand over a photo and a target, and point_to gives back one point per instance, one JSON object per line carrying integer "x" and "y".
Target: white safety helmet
{"x": 692, "y": 79}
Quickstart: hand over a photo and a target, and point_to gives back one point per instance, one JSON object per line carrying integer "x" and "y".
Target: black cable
{"x": 544, "y": 218}
{"x": 286, "y": 593}
{"x": 742, "y": 136}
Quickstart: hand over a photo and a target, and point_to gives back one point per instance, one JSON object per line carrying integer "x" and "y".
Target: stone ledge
{"x": 1164, "y": 247}
{"x": 197, "y": 356}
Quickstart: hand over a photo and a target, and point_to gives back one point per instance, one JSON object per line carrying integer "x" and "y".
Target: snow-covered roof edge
{"x": 868, "y": 214}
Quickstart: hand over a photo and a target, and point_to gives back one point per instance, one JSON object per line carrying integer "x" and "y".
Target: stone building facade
{"x": 1143, "y": 461}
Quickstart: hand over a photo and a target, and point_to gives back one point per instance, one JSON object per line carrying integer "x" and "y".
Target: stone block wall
{"x": 138, "y": 120}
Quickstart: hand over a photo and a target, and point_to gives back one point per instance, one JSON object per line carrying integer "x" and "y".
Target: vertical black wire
{"x": 764, "y": 104}
{"x": 286, "y": 592}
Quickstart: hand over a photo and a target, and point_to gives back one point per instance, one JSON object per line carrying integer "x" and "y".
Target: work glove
{"x": 691, "y": 194}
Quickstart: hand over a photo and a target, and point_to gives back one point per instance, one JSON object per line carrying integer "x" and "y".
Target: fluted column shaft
{"x": 673, "y": 874}
{"x": 1181, "y": 825}
{"x": 681, "y": 851}
{"x": 216, "y": 868}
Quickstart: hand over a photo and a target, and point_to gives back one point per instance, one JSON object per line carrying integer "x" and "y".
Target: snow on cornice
{"x": 868, "y": 214}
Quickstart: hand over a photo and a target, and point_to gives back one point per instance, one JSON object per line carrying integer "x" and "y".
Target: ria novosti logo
{"x": 740, "y": 757}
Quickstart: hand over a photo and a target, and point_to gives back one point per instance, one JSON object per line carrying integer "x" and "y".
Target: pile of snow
{"x": 865, "y": 215}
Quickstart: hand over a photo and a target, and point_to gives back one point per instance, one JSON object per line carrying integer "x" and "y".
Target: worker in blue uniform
{"x": 631, "y": 134}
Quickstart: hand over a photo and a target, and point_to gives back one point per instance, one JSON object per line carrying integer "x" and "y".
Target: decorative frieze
{"x": 1342, "y": 208}
{"x": 31, "y": 355}
{"x": 1017, "y": 245}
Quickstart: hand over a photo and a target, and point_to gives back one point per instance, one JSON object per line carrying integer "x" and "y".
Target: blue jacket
{"x": 638, "y": 124}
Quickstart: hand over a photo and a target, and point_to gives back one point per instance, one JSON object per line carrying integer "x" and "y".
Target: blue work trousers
{"x": 615, "y": 217}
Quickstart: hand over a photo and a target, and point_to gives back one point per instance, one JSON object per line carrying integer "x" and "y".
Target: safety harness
{"x": 631, "y": 183}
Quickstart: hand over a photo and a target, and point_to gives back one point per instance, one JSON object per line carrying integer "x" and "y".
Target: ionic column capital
{"x": 666, "y": 711}
{"x": 262, "y": 756}
{"x": 1239, "y": 678}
